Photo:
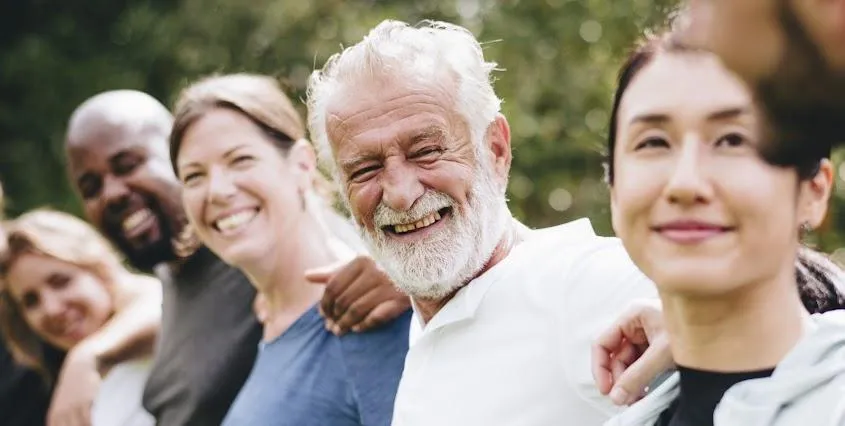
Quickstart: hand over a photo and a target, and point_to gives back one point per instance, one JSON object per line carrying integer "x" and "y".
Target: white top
{"x": 513, "y": 346}
{"x": 118, "y": 401}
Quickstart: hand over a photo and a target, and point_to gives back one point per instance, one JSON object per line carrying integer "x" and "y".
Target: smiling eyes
{"x": 240, "y": 162}
{"x": 367, "y": 170}
{"x": 728, "y": 140}
{"x": 31, "y": 299}
{"x": 122, "y": 164}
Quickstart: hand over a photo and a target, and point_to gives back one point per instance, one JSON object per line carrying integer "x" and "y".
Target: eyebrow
{"x": 723, "y": 114}
{"x": 357, "y": 161}
{"x": 428, "y": 133}
{"x": 728, "y": 113}
{"x": 226, "y": 154}
{"x": 432, "y": 131}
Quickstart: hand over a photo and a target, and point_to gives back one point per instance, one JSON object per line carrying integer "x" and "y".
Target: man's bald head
{"x": 118, "y": 161}
{"x": 129, "y": 110}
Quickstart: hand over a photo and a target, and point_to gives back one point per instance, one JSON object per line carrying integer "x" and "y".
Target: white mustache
{"x": 431, "y": 201}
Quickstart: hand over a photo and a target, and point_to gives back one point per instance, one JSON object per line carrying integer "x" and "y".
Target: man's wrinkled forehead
{"x": 367, "y": 98}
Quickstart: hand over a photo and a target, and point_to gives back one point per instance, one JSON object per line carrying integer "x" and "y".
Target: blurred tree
{"x": 559, "y": 61}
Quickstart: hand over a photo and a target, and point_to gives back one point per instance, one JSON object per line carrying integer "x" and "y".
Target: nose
{"x": 688, "y": 184}
{"x": 400, "y": 184}
{"x": 52, "y": 307}
{"x": 115, "y": 193}
{"x": 221, "y": 187}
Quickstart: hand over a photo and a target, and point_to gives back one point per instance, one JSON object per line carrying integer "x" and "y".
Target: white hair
{"x": 396, "y": 48}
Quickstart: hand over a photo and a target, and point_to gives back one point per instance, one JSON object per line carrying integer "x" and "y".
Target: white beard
{"x": 445, "y": 261}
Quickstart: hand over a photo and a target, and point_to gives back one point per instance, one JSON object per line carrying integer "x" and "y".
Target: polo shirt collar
{"x": 467, "y": 300}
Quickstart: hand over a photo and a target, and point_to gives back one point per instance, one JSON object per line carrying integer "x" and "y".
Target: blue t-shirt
{"x": 310, "y": 377}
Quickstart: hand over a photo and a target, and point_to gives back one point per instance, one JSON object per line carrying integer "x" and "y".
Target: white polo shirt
{"x": 512, "y": 348}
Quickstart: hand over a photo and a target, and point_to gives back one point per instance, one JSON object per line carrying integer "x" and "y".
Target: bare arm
{"x": 131, "y": 332}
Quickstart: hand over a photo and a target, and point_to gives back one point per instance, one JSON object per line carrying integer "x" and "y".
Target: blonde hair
{"x": 259, "y": 98}
{"x": 60, "y": 236}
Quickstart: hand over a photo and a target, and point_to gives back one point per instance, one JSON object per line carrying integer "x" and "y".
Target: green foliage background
{"x": 559, "y": 60}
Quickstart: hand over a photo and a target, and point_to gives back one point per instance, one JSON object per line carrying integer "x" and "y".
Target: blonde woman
{"x": 64, "y": 287}
{"x": 24, "y": 398}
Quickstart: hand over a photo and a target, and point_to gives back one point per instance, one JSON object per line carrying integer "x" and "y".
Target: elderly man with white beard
{"x": 409, "y": 122}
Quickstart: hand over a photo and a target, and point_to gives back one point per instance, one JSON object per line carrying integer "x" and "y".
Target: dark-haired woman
{"x": 718, "y": 231}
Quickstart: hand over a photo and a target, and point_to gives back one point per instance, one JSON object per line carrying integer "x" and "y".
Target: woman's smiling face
{"x": 696, "y": 207}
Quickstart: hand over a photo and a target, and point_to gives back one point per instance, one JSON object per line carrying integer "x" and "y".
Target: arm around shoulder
{"x": 132, "y": 330}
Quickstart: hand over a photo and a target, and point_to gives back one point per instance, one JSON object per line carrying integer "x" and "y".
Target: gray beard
{"x": 438, "y": 266}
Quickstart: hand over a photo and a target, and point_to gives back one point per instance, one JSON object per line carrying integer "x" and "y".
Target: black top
{"x": 24, "y": 394}
{"x": 24, "y": 397}
{"x": 701, "y": 391}
{"x": 208, "y": 343}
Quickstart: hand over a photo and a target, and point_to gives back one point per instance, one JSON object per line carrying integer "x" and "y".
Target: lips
{"x": 421, "y": 223}
{"x": 691, "y": 231}
{"x": 133, "y": 219}
{"x": 136, "y": 222}
{"x": 74, "y": 330}
{"x": 233, "y": 221}
{"x": 69, "y": 325}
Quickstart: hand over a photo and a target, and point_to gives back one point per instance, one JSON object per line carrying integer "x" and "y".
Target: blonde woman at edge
{"x": 64, "y": 286}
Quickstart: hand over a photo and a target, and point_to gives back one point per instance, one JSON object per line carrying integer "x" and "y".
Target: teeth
{"x": 422, "y": 223}
{"x": 136, "y": 218}
{"x": 236, "y": 220}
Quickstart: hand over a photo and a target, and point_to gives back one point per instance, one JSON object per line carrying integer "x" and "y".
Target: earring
{"x": 805, "y": 228}
{"x": 302, "y": 199}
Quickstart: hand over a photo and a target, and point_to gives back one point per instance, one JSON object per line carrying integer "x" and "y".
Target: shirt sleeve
{"x": 374, "y": 361}
{"x": 600, "y": 286}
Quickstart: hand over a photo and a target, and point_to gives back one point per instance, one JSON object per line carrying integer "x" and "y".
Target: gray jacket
{"x": 806, "y": 389}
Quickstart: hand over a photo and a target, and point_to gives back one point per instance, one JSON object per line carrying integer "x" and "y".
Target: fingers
{"x": 360, "y": 286}
{"x": 620, "y": 344}
{"x": 630, "y": 384}
{"x": 323, "y": 274}
{"x": 383, "y": 314}
{"x": 610, "y": 358}
{"x": 341, "y": 278}
{"x": 603, "y": 350}
{"x": 84, "y": 415}
{"x": 363, "y": 306}
{"x": 600, "y": 363}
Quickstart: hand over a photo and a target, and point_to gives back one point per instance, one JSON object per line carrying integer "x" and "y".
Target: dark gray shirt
{"x": 208, "y": 342}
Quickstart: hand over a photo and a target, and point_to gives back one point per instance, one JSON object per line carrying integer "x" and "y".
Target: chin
{"x": 241, "y": 255}
{"x": 696, "y": 281}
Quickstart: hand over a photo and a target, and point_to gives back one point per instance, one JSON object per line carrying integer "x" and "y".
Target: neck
{"x": 280, "y": 277}
{"x": 514, "y": 233}
{"x": 750, "y": 329}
